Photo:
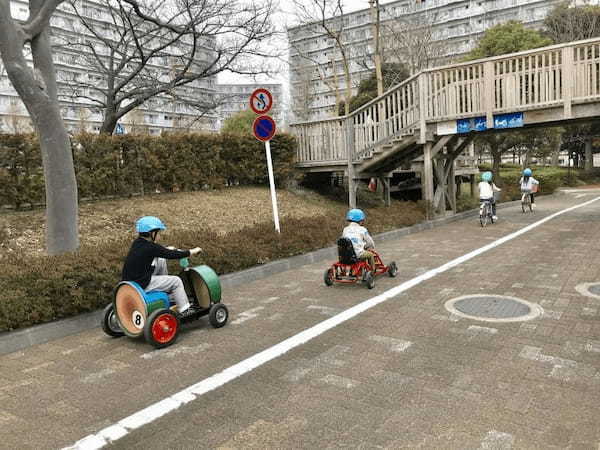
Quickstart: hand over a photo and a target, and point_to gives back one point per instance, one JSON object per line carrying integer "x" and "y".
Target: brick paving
{"x": 405, "y": 374}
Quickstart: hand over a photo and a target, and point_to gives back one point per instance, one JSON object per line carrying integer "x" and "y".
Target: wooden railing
{"x": 321, "y": 142}
{"x": 560, "y": 75}
{"x": 395, "y": 113}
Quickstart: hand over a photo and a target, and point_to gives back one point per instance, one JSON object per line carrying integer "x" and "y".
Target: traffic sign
{"x": 264, "y": 128}
{"x": 261, "y": 101}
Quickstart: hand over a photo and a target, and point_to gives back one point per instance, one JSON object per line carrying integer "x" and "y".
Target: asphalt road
{"x": 406, "y": 373}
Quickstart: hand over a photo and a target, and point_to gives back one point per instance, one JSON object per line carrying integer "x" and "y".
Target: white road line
{"x": 159, "y": 409}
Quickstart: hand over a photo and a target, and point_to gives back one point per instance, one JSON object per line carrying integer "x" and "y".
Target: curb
{"x": 12, "y": 341}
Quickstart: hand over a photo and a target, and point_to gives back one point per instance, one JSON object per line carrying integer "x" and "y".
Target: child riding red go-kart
{"x": 358, "y": 260}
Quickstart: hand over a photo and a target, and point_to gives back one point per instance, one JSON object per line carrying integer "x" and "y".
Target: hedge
{"x": 42, "y": 288}
{"x": 119, "y": 166}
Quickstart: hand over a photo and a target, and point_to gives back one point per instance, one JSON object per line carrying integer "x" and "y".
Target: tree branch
{"x": 38, "y": 23}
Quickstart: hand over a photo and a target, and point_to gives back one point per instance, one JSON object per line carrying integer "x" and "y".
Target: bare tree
{"x": 376, "y": 19}
{"x": 302, "y": 92}
{"x": 166, "y": 48}
{"x": 330, "y": 18}
{"x": 309, "y": 68}
{"x": 411, "y": 39}
{"x": 37, "y": 88}
{"x": 567, "y": 24}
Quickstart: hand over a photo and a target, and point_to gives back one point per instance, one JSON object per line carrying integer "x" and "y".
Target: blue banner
{"x": 513, "y": 120}
{"x": 472, "y": 124}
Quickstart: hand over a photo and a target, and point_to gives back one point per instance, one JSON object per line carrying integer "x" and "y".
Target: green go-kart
{"x": 136, "y": 313}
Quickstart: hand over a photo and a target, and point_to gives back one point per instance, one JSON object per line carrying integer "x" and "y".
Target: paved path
{"x": 404, "y": 374}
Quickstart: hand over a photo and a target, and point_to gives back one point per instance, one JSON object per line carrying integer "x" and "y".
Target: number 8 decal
{"x": 138, "y": 319}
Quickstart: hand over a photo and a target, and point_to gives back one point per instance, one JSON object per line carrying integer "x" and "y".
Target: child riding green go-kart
{"x": 150, "y": 302}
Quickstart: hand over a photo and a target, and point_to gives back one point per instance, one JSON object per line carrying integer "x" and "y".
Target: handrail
{"x": 563, "y": 74}
{"x": 530, "y": 52}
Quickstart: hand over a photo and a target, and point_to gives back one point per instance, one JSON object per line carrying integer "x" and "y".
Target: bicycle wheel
{"x": 523, "y": 203}
{"x": 483, "y": 217}
{"x": 530, "y": 205}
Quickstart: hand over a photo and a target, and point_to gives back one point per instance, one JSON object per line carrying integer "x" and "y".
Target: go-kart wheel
{"x": 161, "y": 328}
{"x": 110, "y": 325}
{"x": 218, "y": 315}
{"x": 369, "y": 280}
{"x": 392, "y": 269}
{"x": 328, "y": 277}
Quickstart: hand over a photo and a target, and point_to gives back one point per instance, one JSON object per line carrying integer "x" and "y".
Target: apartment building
{"x": 161, "y": 113}
{"x": 453, "y": 27}
{"x": 236, "y": 98}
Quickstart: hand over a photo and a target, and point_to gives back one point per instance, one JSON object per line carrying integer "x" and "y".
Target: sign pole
{"x": 272, "y": 185}
{"x": 261, "y": 101}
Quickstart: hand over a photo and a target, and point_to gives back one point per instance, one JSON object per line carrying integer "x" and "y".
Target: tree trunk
{"x": 527, "y": 159}
{"x": 497, "y": 159}
{"x": 556, "y": 154}
{"x": 59, "y": 173}
{"x": 589, "y": 156}
{"x": 109, "y": 124}
{"x": 38, "y": 93}
{"x": 111, "y": 118}
{"x": 375, "y": 17}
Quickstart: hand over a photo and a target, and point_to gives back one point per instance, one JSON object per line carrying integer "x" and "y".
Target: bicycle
{"x": 485, "y": 213}
{"x": 526, "y": 205}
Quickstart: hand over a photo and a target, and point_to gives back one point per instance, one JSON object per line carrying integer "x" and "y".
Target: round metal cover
{"x": 589, "y": 289}
{"x": 594, "y": 289}
{"x": 493, "y": 308}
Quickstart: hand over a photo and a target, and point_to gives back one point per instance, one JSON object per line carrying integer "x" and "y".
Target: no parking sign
{"x": 264, "y": 128}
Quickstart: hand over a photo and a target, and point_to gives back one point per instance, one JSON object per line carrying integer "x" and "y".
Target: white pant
{"x": 170, "y": 284}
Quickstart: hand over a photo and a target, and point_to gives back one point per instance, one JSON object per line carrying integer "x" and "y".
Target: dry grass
{"x": 222, "y": 211}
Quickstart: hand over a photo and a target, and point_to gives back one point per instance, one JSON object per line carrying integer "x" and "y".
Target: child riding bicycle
{"x": 529, "y": 186}
{"x": 486, "y": 192}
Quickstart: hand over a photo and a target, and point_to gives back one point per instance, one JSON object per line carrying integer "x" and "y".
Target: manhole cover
{"x": 589, "y": 289}
{"x": 595, "y": 289}
{"x": 493, "y": 308}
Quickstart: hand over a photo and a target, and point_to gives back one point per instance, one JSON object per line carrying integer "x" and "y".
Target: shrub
{"x": 48, "y": 288}
{"x": 119, "y": 166}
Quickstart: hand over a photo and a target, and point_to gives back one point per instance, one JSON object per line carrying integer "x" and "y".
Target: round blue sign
{"x": 264, "y": 128}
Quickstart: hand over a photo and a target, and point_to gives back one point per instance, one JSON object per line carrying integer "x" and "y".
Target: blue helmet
{"x": 486, "y": 176}
{"x": 355, "y": 215}
{"x": 527, "y": 172}
{"x": 149, "y": 223}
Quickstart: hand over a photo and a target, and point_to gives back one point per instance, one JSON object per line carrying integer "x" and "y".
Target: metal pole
{"x": 272, "y": 185}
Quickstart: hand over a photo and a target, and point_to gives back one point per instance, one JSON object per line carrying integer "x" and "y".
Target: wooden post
{"x": 568, "y": 82}
{"x": 452, "y": 185}
{"x": 349, "y": 142}
{"x": 427, "y": 175}
{"x": 423, "y": 108}
{"x": 472, "y": 179}
{"x": 489, "y": 93}
{"x": 439, "y": 195}
{"x": 385, "y": 184}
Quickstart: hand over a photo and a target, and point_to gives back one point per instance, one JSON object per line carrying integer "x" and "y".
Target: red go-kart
{"x": 350, "y": 269}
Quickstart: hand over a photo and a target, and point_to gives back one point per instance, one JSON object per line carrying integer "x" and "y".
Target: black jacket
{"x": 138, "y": 264}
